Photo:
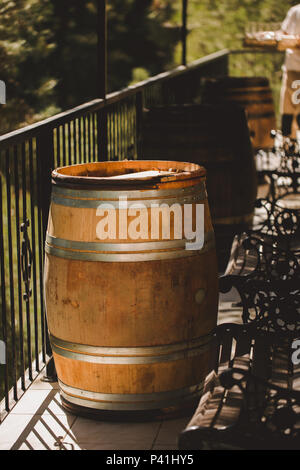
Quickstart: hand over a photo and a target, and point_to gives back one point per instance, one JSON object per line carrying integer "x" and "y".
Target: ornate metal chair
{"x": 281, "y": 165}
{"x": 252, "y": 397}
{"x": 260, "y": 257}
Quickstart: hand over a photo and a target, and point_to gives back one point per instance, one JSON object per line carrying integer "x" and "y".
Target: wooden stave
{"x": 172, "y": 362}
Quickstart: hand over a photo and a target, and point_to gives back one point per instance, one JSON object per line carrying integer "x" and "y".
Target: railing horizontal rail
{"x": 97, "y": 104}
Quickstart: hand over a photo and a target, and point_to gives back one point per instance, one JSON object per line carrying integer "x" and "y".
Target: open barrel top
{"x": 102, "y": 173}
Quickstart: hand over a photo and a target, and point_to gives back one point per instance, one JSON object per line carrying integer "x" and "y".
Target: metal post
{"x": 102, "y": 127}
{"x": 101, "y": 48}
{"x": 45, "y": 155}
{"x": 139, "y": 104}
{"x": 184, "y": 31}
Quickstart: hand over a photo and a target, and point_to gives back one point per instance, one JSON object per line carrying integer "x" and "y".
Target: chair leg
{"x": 286, "y": 124}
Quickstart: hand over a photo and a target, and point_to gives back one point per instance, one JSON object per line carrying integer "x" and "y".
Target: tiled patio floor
{"x": 38, "y": 422}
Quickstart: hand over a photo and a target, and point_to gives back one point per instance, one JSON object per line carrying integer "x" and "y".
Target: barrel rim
{"x": 192, "y": 171}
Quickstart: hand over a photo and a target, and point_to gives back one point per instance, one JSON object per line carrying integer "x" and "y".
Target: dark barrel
{"x": 217, "y": 137}
{"x": 252, "y": 93}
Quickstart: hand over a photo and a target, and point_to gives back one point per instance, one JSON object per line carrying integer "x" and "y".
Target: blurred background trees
{"x": 48, "y": 52}
{"x": 48, "y": 48}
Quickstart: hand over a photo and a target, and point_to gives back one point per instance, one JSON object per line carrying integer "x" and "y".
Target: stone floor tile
{"x": 39, "y": 384}
{"x": 169, "y": 432}
{"x": 45, "y": 432}
{"x": 91, "y": 434}
{"x": 11, "y": 428}
{"x": 39, "y": 402}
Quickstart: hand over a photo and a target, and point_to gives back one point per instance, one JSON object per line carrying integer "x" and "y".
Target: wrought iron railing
{"x": 99, "y": 130}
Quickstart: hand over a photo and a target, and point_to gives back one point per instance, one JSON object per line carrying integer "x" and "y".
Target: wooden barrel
{"x": 130, "y": 319}
{"x": 252, "y": 93}
{"x": 217, "y": 137}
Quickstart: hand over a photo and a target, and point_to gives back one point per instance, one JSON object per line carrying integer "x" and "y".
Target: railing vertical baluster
{"x": 33, "y": 200}
{"x": 116, "y": 132}
{"x": 75, "y": 141}
{"x": 45, "y": 155}
{"x": 111, "y": 135}
{"x": 94, "y": 130}
{"x": 123, "y": 129}
{"x": 84, "y": 138}
{"x": 113, "y": 117}
{"x": 130, "y": 149}
{"x": 69, "y": 144}
{"x": 3, "y": 301}
{"x": 120, "y": 127}
{"x": 80, "y": 140}
{"x": 139, "y": 103}
{"x": 41, "y": 255}
{"x": 13, "y": 363}
{"x": 25, "y": 260}
{"x": 57, "y": 146}
{"x": 63, "y": 144}
{"x": 102, "y": 134}
{"x": 119, "y": 135}
{"x": 125, "y": 115}
{"x": 89, "y": 138}
{"x": 20, "y": 300}
{"x": 72, "y": 141}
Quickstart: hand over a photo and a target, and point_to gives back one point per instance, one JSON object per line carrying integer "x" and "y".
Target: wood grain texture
{"x": 129, "y": 304}
{"x": 135, "y": 378}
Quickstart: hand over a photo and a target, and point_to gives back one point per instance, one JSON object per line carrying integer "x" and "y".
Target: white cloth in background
{"x": 291, "y": 25}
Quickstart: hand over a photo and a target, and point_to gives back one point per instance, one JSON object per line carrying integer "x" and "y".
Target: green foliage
{"x": 25, "y": 46}
{"x": 48, "y": 51}
{"x": 214, "y": 24}
{"x": 138, "y": 37}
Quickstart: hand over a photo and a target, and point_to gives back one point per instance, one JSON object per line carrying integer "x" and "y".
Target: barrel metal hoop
{"x": 127, "y": 257}
{"x": 140, "y": 355}
{"x": 140, "y": 401}
{"x": 120, "y": 247}
{"x": 107, "y": 247}
{"x": 95, "y": 203}
{"x": 107, "y": 196}
{"x": 130, "y": 351}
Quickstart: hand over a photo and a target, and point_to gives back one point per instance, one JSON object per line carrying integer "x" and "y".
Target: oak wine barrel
{"x": 130, "y": 320}
{"x": 252, "y": 93}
